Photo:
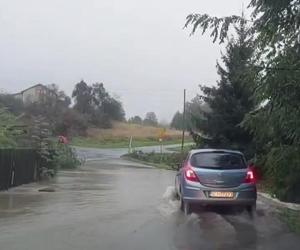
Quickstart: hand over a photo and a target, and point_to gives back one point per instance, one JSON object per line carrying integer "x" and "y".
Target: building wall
{"x": 35, "y": 94}
{"x": 31, "y": 95}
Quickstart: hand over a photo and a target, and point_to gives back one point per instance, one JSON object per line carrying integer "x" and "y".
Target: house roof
{"x": 34, "y": 86}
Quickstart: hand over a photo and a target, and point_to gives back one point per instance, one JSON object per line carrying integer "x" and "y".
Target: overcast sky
{"x": 137, "y": 48}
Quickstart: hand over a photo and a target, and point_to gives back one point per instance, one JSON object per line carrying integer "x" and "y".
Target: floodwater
{"x": 113, "y": 204}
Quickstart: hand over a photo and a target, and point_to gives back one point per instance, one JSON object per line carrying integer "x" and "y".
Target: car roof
{"x": 209, "y": 150}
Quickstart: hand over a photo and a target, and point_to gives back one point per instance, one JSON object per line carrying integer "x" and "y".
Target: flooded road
{"x": 113, "y": 204}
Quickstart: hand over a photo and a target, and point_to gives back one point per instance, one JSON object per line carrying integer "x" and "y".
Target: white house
{"x": 36, "y": 93}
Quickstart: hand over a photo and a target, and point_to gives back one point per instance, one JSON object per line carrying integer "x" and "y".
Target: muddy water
{"x": 114, "y": 204}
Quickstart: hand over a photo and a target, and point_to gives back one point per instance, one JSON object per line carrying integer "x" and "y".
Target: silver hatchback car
{"x": 216, "y": 177}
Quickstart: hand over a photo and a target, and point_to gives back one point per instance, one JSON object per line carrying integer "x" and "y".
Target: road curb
{"x": 279, "y": 203}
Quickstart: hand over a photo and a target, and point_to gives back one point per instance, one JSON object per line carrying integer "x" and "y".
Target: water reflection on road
{"x": 114, "y": 204}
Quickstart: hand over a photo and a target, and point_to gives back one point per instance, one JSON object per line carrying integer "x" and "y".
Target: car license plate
{"x": 217, "y": 194}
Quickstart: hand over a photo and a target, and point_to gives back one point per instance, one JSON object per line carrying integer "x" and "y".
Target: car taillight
{"x": 190, "y": 175}
{"x": 250, "y": 178}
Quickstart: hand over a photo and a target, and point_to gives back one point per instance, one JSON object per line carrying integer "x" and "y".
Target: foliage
{"x": 136, "y": 120}
{"x": 114, "y": 109}
{"x": 52, "y": 108}
{"x": 275, "y": 121}
{"x": 231, "y": 99}
{"x": 11, "y": 129}
{"x": 60, "y": 96}
{"x": 292, "y": 218}
{"x": 193, "y": 112}
{"x": 283, "y": 168}
{"x": 97, "y": 105}
{"x": 177, "y": 121}
{"x": 66, "y": 157}
{"x": 12, "y": 104}
{"x": 150, "y": 119}
{"x": 53, "y": 155}
{"x": 82, "y": 94}
{"x": 71, "y": 123}
{"x": 42, "y": 141}
{"x": 276, "y": 24}
{"x": 7, "y": 121}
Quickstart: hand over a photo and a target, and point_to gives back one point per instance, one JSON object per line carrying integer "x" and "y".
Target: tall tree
{"x": 194, "y": 112}
{"x": 177, "y": 121}
{"x": 114, "y": 109}
{"x": 136, "y": 119}
{"x": 60, "y": 96}
{"x": 150, "y": 119}
{"x": 52, "y": 107}
{"x": 105, "y": 106}
{"x": 275, "y": 122}
{"x": 97, "y": 104}
{"x": 82, "y": 94}
{"x": 231, "y": 99}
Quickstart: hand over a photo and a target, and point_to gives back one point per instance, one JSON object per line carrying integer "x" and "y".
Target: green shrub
{"x": 66, "y": 157}
{"x": 283, "y": 168}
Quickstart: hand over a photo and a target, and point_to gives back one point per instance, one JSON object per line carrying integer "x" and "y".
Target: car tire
{"x": 181, "y": 203}
{"x": 251, "y": 209}
{"x": 186, "y": 208}
{"x": 177, "y": 196}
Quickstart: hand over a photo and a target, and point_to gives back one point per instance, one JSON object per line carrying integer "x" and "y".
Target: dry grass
{"x": 118, "y": 136}
{"x": 124, "y": 131}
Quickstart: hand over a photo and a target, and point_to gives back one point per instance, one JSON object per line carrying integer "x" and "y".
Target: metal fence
{"x": 17, "y": 167}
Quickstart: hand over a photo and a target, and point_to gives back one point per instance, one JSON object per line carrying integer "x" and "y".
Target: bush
{"x": 13, "y": 105}
{"x": 56, "y": 156}
{"x": 282, "y": 166}
{"x": 72, "y": 123}
{"x": 66, "y": 157}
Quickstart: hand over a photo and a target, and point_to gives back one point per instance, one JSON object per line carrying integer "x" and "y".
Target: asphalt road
{"x": 113, "y": 204}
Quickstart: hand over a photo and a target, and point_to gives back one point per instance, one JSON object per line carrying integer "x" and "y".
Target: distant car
{"x": 215, "y": 177}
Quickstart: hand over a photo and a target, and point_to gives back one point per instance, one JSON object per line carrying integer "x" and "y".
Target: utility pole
{"x": 183, "y": 120}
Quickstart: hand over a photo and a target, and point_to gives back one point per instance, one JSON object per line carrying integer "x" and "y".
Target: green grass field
{"x": 119, "y": 143}
{"x": 118, "y": 136}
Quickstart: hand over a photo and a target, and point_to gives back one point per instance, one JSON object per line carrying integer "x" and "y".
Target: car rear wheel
{"x": 181, "y": 204}
{"x": 251, "y": 209}
{"x": 177, "y": 196}
{"x": 186, "y": 208}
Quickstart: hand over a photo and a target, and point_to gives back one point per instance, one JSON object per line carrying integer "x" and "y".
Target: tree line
{"x": 255, "y": 105}
{"x": 93, "y": 106}
{"x": 149, "y": 120}
{"x": 38, "y": 124}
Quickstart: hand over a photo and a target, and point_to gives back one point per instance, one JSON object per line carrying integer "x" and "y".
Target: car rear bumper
{"x": 243, "y": 195}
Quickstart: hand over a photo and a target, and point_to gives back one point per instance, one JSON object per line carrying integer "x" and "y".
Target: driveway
{"x": 114, "y": 204}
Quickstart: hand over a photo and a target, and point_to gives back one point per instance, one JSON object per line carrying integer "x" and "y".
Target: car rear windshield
{"x": 218, "y": 160}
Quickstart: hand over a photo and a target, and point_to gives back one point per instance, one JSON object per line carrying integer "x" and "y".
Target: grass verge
{"x": 291, "y": 218}
{"x": 157, "y": 165}
{"x": 186, "y": 148}
{"x": 165, "y": 160}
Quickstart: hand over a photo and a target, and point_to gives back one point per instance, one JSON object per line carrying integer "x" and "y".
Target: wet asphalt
{"x": 113, "y": 204}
